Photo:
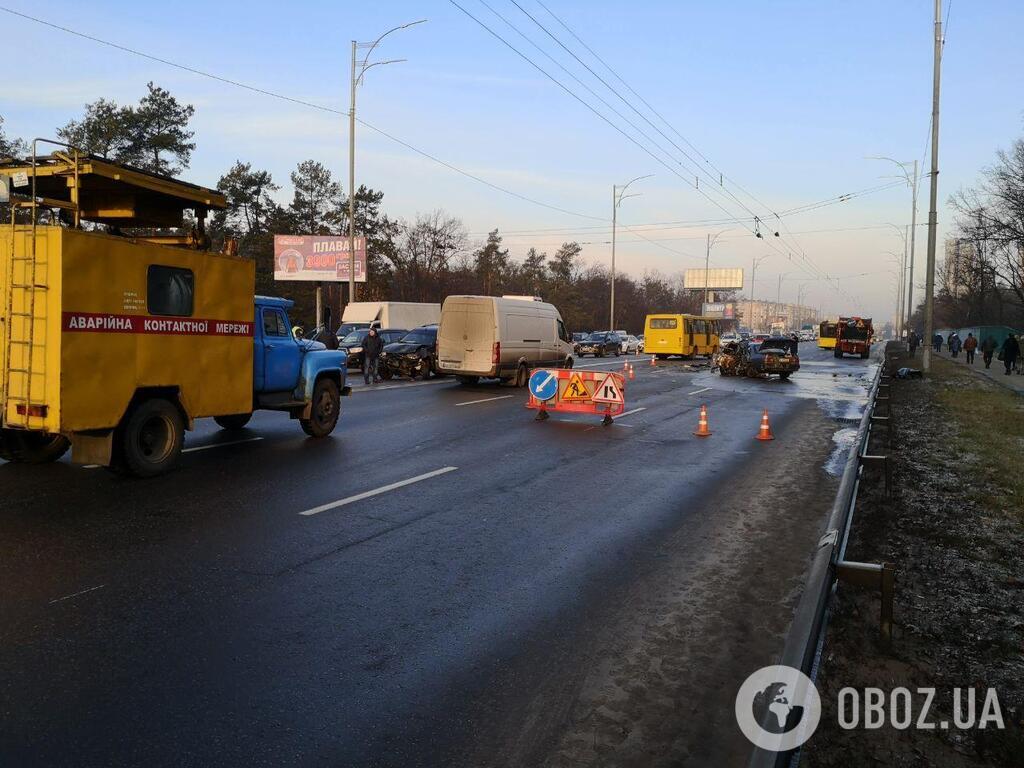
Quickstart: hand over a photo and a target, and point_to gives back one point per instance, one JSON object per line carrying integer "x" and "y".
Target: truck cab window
{"x": 170, "y": 291}
{"x": 273, "y": 323}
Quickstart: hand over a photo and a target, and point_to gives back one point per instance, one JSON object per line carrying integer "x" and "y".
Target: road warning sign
{"x": 575, "y": 391}
{"x": 596, "y": 392}
{"x": 608, "y": 392}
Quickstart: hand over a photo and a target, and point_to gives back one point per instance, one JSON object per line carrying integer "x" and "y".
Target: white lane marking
{"x": 698, "y": 391}
{"x": 485, "y": 400}
{"x": 220, "y": 445}
{"x": 376, "y": 388}
{"x": 627, "y": 413}
{"x": 376, "y": 491}
{"x": 76, "y": 594}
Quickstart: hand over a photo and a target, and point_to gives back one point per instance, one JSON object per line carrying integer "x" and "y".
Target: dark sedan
{"x": 414, "y": 355}
{"x": 353, "y": 343}
{"x": 600, "y": 344}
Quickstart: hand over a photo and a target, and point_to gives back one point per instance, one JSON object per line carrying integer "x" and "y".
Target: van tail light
{"x": 37, "y": 411}
{"x": 496, "y": 353}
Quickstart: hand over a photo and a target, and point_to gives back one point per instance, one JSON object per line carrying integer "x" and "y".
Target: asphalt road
{"x": 515, "y": 593}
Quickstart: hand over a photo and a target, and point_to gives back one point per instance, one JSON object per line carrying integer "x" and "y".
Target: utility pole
{"x": 352, "y": 180}
{"x": 913, "y": 231}
{"x": 707, "y": 264}
{"x": 929, "y": 299}
{"x": 753, "y": 274}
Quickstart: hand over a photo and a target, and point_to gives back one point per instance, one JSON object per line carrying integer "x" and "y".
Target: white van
{"x": 505, "y": 338}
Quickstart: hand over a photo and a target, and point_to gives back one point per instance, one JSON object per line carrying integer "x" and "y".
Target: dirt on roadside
{"x": 955, "y": 531}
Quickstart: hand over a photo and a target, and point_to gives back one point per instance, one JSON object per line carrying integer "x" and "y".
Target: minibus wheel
{"x": 234, "y": 421}
{"x": 151, "y": 438}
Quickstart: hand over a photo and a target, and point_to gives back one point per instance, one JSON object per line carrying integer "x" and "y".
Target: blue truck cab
{"x": 299, "y": 376}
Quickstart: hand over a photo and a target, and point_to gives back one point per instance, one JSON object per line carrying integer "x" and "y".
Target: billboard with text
{"x": 317, "y": 257}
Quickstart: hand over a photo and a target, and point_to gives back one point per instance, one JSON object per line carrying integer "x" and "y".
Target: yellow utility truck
{"x": 115, "y": 336}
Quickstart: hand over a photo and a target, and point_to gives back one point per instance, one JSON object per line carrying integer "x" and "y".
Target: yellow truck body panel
{"x": 101, "y": 329}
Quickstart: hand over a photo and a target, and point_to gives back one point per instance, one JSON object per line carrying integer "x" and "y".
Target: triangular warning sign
{"x": 608, "y": 391}
{"x": 575, "y": 391}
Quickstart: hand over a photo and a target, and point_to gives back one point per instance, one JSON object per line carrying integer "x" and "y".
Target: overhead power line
{"x": 301, "y": 102}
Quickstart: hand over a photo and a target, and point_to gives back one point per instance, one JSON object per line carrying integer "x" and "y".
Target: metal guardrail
{"x": 807, "y": 631}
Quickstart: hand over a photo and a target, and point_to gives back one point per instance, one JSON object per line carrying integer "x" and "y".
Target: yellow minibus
{"x": 827, "y": 335}
{"x": 684, "y": 335}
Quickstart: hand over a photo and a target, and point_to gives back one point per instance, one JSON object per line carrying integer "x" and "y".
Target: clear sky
{"x": 787, "y": 98}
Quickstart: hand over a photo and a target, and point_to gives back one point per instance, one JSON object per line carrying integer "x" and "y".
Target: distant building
{"x": 759, "y": 315}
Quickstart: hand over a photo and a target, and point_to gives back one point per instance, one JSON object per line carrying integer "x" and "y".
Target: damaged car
{"x": 775, "y": 356}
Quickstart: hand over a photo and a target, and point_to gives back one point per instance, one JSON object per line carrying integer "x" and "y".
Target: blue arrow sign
{"x": 544, "y": 384}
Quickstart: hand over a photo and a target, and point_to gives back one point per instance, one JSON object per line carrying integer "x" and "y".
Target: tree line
{"x": 425, "y": 258}
{"x": 980, "y": 280}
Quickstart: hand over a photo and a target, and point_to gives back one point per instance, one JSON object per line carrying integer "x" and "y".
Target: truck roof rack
{"x": 106, "y": 192}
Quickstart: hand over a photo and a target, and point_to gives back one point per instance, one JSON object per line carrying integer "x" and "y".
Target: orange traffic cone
{"x": 702, "y": 425}
{"x": 625, "y": 365}
{"x": 632, "y": 373}
{"x": 766, "y": 431}
{"x": 653, "y": 363}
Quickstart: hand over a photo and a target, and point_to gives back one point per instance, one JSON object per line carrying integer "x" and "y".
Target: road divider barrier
{"x": 566, "y": 390}
{"x": 765, "y": 433}
{"x": 702, "y": 423}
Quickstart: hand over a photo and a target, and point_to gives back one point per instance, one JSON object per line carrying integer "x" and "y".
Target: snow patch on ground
{"x": 844, "y": 440}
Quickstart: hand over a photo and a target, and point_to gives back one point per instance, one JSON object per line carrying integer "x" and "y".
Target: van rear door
{"x": 465, "y": 336}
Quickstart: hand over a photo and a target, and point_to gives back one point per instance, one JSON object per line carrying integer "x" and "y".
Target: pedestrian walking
{"x": 954, "y": 344}
{"x": 988, "y": 348}
{"x": 970, "y": 344}
{"x": 1009, "y": 353}
{"x": 913, "y": 340}
{"x": 372, "y": 345}
{"x": 937, "y": 342}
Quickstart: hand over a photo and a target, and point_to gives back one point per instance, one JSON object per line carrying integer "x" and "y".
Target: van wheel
{"x": 151, "y": 438}
{"x": 568, "y": 363}
{"x": 32, "y": 447}
{"x": 325, "y": 411}
{"x": 468, "y": 381}
{"x": 235, "y": 421}
{"x": 522, "y": 376}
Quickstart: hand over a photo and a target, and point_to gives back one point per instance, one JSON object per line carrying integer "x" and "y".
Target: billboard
{"x": 718, "y": 279}
{"x": 317, "y": 257}
{"x": 723, "y": 309}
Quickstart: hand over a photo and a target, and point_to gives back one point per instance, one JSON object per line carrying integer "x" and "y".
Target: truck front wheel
{"x": 151, "y": 438}
{"x": 234, "y": 421}
{"x": 326, "y": 408}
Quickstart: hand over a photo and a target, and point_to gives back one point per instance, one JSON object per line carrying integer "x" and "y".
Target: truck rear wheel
{"x": 325, "y": 411}
{"x": 235, "y": 421}
{"x": 151, "y": 439}
{"x": 837, "y": 353}
{"x": 32, "y": 447}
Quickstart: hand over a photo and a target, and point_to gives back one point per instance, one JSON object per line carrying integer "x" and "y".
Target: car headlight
{"x": 355, "y": 350}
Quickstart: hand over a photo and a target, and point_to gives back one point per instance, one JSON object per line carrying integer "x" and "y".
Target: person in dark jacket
{"x": 937, "y": 342}
{"x": 1010, "y": 351}
{"x": 970, "y": 344}
{"x": 912, "y": 341}
{"x": 372, "y": 345}
{"x": 988, "y": 348}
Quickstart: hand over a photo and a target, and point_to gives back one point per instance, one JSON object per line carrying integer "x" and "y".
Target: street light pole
{"x": 618, "y": 195}
{"x": 358, "y": 72}
{"x": 707, "y": 264}
{"x": 929, "y": 299}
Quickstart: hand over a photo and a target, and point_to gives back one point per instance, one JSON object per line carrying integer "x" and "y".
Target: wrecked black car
{"x": 415, "y": 355}
{"x": 776, "y": 355}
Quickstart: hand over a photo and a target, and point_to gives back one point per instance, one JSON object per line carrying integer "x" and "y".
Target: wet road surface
{"x": 443, "y": 581}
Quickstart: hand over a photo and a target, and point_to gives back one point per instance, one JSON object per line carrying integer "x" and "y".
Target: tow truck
{"x": 116, "y": 338}
{"x": 853, "y": 337}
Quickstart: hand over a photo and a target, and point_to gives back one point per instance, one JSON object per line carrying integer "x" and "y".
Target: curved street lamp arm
{"x": 377, "y": 41}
